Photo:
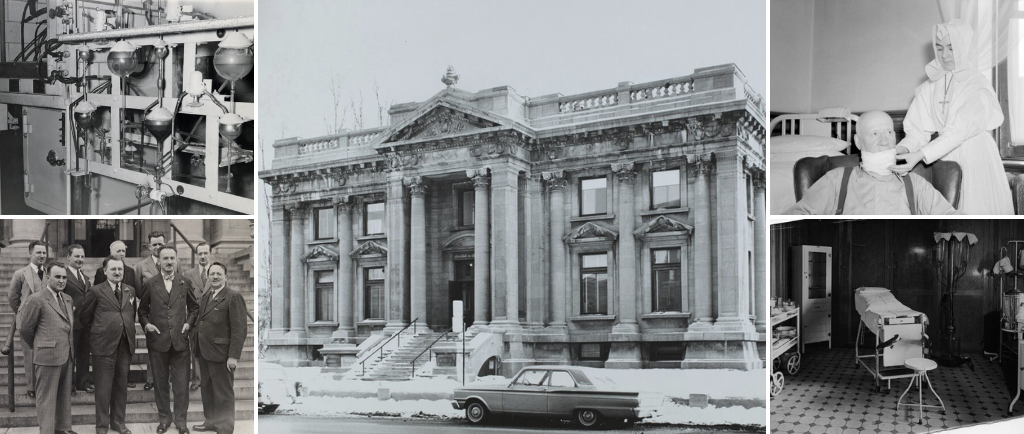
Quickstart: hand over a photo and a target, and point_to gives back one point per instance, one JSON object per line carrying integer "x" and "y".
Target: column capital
{"x": 343, "y": 204}
{"x": 417, "y": 187}
{"x": 704, "y": 164}
{"x": 296, "y": 208}
{"x": 624, "y": 172}
{"x": 556, "y": 179}
{"x": 757, "y": 175}
{"x": 480, "y": 178}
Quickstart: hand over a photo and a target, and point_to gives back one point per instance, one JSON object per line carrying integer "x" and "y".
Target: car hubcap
{"x": 475, "y": 412}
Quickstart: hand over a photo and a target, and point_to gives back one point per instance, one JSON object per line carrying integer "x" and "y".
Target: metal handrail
{"x": 174, "y": 240}
{"x": 412, "y": 371}
{"x": 380, "y": 349}
{"x": 8, "y": 349}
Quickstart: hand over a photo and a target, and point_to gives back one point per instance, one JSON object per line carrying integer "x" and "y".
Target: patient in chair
{"x": 872, "y": 188}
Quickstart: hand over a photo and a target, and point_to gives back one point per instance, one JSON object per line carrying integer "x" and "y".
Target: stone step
{"x": 141, "y": 357}
{"x": 135, "y": 413}
{"x": 137, "y": 374}
{"x": 243, "y": 390}
{"x": 140, "y": 339}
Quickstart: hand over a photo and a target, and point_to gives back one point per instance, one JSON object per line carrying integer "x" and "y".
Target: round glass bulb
{"x": 121, "y": 60}
{"x": 233, "y": 63}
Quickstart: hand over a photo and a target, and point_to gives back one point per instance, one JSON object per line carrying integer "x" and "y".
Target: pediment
{"x": 662, "y": 224}
{"x": 590, "y": 232}
{"x": 446, "y": 114}
{"x": 369, "y": 248}
{"x": 462, "y": 241}
{"x": 320, "y": 253}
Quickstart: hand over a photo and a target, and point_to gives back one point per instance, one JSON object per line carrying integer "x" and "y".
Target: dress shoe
{"x": 161, "y": 428}
{"x": 194, "y": 387}
{"x": 31, "y": 393}
{"x": 203, "y": 428}
{"x": 126, "y": 431}
{"x": 148, "y": 386}
{"x": 182, "y": 430}
{"x": 64, "y": 432}
{"x": 131, "y": 385}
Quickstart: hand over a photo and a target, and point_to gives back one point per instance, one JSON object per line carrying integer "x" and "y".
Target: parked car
{"x": 274, "y": 387}
{"x": 564, "y": 392}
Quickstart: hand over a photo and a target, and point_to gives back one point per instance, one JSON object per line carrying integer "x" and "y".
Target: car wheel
{"x": 587, "y": 418}
{"x": 476, "y": 412}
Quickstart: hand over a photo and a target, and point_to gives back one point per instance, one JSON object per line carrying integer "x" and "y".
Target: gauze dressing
{"x": 878, "y": 162}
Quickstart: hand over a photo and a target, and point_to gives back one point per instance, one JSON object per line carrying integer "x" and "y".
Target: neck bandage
{"x": 878, "y": 162}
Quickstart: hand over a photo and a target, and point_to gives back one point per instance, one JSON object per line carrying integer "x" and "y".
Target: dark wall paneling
{"x": 899, "y": 255}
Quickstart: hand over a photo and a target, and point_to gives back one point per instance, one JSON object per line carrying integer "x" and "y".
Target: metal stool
{"x": 921, "y": 368}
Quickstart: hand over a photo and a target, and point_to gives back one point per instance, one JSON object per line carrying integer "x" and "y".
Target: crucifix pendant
{"x": 943, "y": 103}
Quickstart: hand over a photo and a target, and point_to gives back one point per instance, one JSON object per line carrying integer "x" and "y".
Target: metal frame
{"x": 879, "y": 372}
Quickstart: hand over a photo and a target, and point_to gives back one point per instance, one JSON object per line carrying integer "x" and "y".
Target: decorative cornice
{"x": 417, "y": 187}
{"x": 589, "y": 230}
{"x": 458, "y": 241}
{"x": 369, "y": 248}
{"x": 555, "y": 179}
{"x": 702, "y": 164}
{"x": 662, "y": 224}
{"x": 624, "y": 172}
{"x": 320, "y": 252}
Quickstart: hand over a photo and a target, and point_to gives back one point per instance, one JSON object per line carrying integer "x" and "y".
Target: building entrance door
{"x": 462, "y": 289}
{"x": 99, "y": 235}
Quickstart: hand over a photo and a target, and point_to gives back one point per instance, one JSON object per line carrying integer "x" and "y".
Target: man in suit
{"x": 118, "y": 250}
{"x": 144, "y": 270}
{"x": 108, "y": 317}
{"x": 45, "y": 324}
{"x": 168, "y": 310}
{"x": 77, "y": 285}
{"x": 27, "y": 281}
{"x": 221, "y": 330}
{"x": 197, "y": 277}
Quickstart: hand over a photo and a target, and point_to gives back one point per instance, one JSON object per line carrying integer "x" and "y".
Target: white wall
{"x": 792, "y": 42}
{"x": 866, "y": 54}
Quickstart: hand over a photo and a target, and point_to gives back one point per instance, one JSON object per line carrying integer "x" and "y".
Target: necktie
{"x": 81, "y": 277}
{"x": 118, "y": 292}
{"x": 39, "y": 272}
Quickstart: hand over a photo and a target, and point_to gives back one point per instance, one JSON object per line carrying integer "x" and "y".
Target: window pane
{"x": 375, "y": 301}
{"x": 666, "y": 256}
{"x": 593, "y": 194}
{"x": 561, "y": 379}
{"x": 594, "y": 261}
{"x": 374, "y": 274}
{"x": 668, "y": 290}
{"x": 531, "y": 378}
{"x": 375, "y": 218}
{"x": 324, "y": 277}
{"x": 665, "y": 189}
{"x": 594, "y": 293}
{"x": 467, "y": 207}
{"x": 325, "y": 223}
{"x": 324, "y": 301}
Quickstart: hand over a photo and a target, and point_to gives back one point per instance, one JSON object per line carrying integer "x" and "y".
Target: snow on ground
{"x": 657, "y": 387}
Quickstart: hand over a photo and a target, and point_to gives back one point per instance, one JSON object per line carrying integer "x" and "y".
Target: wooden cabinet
{"x": 812, "y": 279}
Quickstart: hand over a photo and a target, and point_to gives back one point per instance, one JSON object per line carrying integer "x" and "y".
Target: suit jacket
{"x": 24, "y": 283}
{"x": 105, "y": 320}
{"x": 76, "y": 289}
{"x": 145, "y": 269}
{"x": 46, "y": 326}
{"x": 169, "y": 312}
{"x": 195, "y": 277}
{"x": 221, "y": 326}
{"x": 128, "y": 278}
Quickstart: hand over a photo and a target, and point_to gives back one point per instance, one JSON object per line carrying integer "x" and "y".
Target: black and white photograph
{"x": 127, "y": 325}
{"x": 897, "y": 108}
{"x": 532, "y": 216}
{"x": 116, "y": 107}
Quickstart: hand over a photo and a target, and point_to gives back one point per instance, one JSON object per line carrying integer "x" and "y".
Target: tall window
{"x": 594, "y": 196}
{"x": 324, "y": 296}
{"x": 594, "y": 284}
{"x": 373, "y": 290}
{"x": 666, "y": 280}
{"x": 750, "y": 195}
{"x": 325, "y": 223}
{"x": 467, "y": 207}
{"x": 665, "y": 189}
{"x": 373, "y": 218}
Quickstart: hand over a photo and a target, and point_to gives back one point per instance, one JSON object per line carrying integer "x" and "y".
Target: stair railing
{"x": 380, "y": 349}
{"x": 7, "y": 348}
{"x": 174, "y": 241}
{"x": 412, "y": 370}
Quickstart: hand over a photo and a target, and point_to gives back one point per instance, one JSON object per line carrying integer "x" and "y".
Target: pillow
{"x": 805, "y": 144}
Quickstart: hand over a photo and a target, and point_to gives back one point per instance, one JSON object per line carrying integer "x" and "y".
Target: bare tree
{"x": 340, "y": 112}
{"x": 383, "y": 105}
{"x": 265, "y": 261}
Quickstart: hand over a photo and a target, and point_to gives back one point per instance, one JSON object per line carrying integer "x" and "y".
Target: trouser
{"x": 81, "y": 377}
{"x": 218, "y": 392}
{"x": 195, "y": 359}
{"x": 53, "y": 396}
{"x": 30, "y": 375}
{"x": 111, "y": 377}
{"x": 170, "y": 373}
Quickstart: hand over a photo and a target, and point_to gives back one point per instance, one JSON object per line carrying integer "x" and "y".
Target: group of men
{"x": 193, "y": 323}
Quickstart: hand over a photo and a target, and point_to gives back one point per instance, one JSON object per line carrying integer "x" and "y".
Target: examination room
{"x": 896, "y": 325}
{"x": 893, "y": 108}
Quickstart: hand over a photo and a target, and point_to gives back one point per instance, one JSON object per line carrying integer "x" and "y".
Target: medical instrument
{"x": 900, "y": 334}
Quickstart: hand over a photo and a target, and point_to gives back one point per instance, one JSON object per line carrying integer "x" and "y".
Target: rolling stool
{"x": 921, "y": 368}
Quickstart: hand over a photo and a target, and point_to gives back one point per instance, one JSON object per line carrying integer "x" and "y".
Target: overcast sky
{"x": 536, "y": 47}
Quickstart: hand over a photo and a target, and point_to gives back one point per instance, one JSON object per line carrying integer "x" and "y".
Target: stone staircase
{"x": 141, "y": 403}
{"x": 396, "y": 364}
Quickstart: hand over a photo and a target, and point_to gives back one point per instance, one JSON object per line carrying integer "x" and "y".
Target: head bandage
{"x": 878, "y": 162}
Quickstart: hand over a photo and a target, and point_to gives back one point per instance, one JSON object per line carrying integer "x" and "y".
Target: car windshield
{"x": 530, "y": 378}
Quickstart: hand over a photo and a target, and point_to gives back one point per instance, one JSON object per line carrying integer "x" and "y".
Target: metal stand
{"x": 951, "y": 259}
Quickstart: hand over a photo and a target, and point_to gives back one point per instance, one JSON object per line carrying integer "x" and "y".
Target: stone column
{"x": 417, "y": 250}
{"x": 760, "y": 292}
{"x": 482, "y": 248}
{"x": 23, "y": 232}
{"x": 627, "y": 287}
{"x": 703, "y": 166}
{"x": 733, "y": 301}
{"x": 279, "y": 279}
{"x": 297, "y": 290}
{"x": 556, "y": 191}
{"x": 346, "y": 293}
{"x": 535, "y": 252}
{"x": 397, "y": 280}
{"x": 505, "y": 217}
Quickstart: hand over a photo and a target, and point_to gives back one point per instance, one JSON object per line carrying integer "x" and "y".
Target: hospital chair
{"x": 945, "y": 176}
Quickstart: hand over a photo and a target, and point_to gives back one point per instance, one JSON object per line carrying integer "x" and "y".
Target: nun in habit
{"x": 959, "y": 103}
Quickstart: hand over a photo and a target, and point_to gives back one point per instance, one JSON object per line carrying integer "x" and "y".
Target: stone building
{"x": 619, "y": 228}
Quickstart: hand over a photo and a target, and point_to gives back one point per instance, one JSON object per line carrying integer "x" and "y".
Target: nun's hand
{"x": 911, "y": 160}
{"x": 900, "y": 149}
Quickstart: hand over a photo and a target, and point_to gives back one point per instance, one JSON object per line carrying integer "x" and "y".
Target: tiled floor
{"x": 830, "y": 395}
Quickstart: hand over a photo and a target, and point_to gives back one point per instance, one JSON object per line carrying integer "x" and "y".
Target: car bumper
{"x": 458, "y": 405}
